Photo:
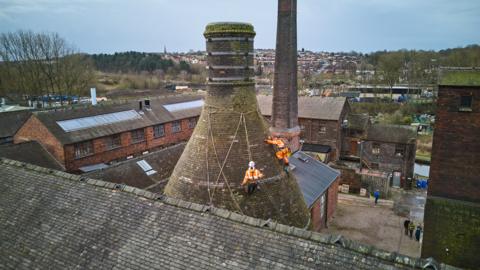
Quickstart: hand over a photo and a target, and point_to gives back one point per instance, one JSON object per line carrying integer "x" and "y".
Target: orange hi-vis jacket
{"x": 251, "y": 176}
{"x": 277, "y": 142}
{"x": 283, "y": 154}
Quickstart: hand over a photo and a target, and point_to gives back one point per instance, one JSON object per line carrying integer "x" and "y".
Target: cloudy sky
{"x": 323, "y": 25}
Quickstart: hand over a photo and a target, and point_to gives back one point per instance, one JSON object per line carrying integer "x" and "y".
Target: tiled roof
{"x": 392, "y": 133}
{"x": 51, "y": 219}
{"x": 323, "y": 108}
{"x": 30, "y": 152}
{"x": 156, "y": 115}
{"x": 130, "y": 173}
{"x": 313, "y": 177}
{"x": 11, "y": 122}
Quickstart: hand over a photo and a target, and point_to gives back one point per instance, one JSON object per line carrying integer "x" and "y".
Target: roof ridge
{"x": 322, "y": 238}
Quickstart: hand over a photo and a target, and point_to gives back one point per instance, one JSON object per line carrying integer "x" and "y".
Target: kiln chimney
{"x": 285, "y": 96}
{"x": 230, "y": 133}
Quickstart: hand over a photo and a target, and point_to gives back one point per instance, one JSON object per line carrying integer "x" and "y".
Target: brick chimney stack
{"x": 285, "y": 97}
{"x": 229, "y": 134}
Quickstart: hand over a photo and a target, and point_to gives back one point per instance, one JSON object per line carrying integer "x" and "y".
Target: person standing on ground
{"x": 405, "y": 225}
{"x": 418, "y": 232}
{"x": 411, "y": 228}
{"x": 376, "y": 194}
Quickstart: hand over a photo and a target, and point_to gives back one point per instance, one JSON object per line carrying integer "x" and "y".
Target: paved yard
{"x": 359, "y": 219}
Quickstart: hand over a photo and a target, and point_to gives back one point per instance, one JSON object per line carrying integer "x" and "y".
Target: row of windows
{"x": 84, "y": 149}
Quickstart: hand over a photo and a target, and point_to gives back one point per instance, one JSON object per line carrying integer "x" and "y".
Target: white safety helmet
{"x": 251, "y": 164}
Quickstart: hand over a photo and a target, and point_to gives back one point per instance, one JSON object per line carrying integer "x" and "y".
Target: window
{"x": 374, "y": 166}
{"x": 323, "y": 130}
{"x": 113, "y": 142}
{"x": 399, "y": 150}
{"x": 138, "y": 135}
{"x": 376, "y": 149}
{"x": 83, "y": 149}
{"x": 176, "y": 126}
{"x": 322, "y": 206}
{"x": 466, "y": 103}
{"x": 158, "y": 131}
{"x": 192, "y": 122}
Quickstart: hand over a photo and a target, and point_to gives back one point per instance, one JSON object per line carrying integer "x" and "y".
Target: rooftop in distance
{"x": 460, "y": 76}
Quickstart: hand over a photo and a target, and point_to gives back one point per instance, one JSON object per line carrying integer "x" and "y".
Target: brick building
{"x": 354, "y": 132}
{"x": 85, "y": 138}
{"x": 390, "y": 149}
{"x": 320, "y": 120}
{"x": 452, "y": 212}
{"x": 319, "y": 185}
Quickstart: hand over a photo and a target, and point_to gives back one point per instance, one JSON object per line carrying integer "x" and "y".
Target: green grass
{"x": 423, "y": 156}
{"x": 462, "y": 78}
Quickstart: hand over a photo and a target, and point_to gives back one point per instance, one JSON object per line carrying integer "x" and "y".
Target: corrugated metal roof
{"x": 313, "y": 177}
{"x": 98, "y": 120}
{"x": 183, "y": 105}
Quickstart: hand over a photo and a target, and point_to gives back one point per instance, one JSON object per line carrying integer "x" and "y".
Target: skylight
{"x": 184, "y": 105}
{"x": 146, "y": 167}
{"x": 97, "y": 120}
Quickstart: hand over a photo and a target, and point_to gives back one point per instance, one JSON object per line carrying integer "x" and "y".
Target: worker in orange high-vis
{"x": 283, "y": 154}
{"x": 275, "y": 141}
{"x": 251, "y": 177}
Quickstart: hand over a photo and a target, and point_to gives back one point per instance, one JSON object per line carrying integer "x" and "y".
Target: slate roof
{"x": 157, "y": 115}
{"x": 11, "y": 122}
{"x": 392, "y": 133}
{"x": 30, "y": 152}
{"x": 313, "y": 177}
{"x": 54, "y": 220}
{"x": 323, "y": 108}
{"x": 130, "y": 173}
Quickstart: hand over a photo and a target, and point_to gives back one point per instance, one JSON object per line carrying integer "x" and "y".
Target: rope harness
{"x": 221, "y": 165}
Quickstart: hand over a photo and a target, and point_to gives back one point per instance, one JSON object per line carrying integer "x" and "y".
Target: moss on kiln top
{"x": 222, "y": 28}
{"x": 460, "y": 77}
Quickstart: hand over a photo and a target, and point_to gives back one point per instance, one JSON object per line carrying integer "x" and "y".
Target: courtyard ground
{"x": 381, "y": 225}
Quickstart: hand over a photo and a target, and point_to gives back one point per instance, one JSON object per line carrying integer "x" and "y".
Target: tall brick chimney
{"x": 230, "y": 133}
{"x": 285, "y": 97}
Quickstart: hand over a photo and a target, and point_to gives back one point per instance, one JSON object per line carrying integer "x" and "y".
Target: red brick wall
{"x": 34, "y": 130}
{"x": 332, "y": 199}
{"x": 316, "y": 219}
{"x": 455, "y": 167}
{"x": 102, "y": 155}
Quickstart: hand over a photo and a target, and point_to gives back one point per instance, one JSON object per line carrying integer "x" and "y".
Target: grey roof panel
{"x": 62, "y": 221}
{"x": 98, "y": 120}
{"x": 313, "y": 177}
{"x": 183, "y": 105}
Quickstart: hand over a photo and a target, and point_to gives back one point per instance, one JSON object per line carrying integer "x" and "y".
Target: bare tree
{"x": 37, "y": 64}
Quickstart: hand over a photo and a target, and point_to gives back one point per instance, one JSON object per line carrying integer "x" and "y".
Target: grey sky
{"x": 323, "y": 25}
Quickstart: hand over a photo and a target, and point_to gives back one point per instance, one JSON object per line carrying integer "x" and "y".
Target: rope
{"x": 246, "y": 138}
{"x": 222, "y": 166}
{"x": 206, "y": 159}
